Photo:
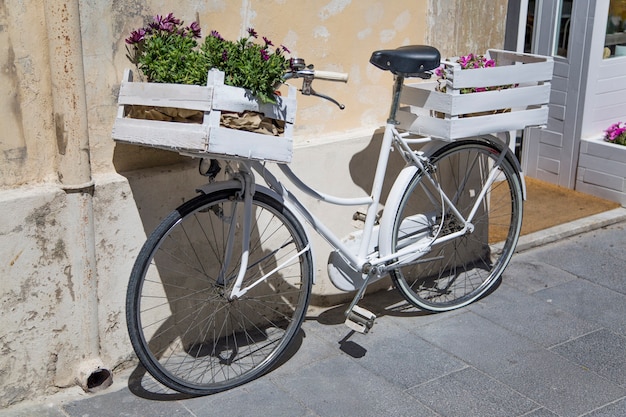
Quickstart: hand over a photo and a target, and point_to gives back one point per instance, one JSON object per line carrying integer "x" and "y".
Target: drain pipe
{"x": 74, "y": 174}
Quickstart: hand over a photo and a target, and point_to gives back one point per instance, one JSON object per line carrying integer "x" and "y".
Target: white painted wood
{"x": 208, "y": 138}
{"x": 192, "y": 97}
{"x": 602, "y": 169}
{"x": 187, "y": 136}
{"x": 443, "y": 115}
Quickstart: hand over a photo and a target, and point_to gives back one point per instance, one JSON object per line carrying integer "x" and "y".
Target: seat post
{"x": 395, "y": 102}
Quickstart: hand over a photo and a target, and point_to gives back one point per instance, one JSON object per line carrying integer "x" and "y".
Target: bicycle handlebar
{"x": 331, "y": 76}
{"x": 300, "y": 70}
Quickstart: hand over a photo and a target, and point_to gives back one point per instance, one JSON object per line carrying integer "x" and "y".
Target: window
{"x": 615, "y": 43}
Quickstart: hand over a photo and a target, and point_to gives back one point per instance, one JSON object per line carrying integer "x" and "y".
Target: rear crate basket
{"x": 209, "y": 138}
{"x": 452, "y": 115}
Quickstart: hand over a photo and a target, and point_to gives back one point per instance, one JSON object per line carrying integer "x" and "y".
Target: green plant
{"x": 167, "y": 52}
{"x": 247, "y": 64}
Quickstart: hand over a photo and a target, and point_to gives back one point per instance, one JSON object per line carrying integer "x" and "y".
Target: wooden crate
{"x": 452, "y": 115}
{"x": 207, "y": 139}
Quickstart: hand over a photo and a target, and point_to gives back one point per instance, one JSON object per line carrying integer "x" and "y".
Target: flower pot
{"x": 444, "y": 114}
{"x": 602, "y": 169}
{"x": 210, "y": 138}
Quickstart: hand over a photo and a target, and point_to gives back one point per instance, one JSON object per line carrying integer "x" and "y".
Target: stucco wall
{"x": 66, "y": 250}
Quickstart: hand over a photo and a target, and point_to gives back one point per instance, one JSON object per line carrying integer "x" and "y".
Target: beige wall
{"x": 70, "y": 232}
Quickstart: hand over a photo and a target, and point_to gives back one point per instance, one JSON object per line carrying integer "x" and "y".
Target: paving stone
{"x": 468, "y": 392}
{"x": 609, "y": 354}
{"x": 616, "y": 409}
{"x": 122, "y": 404}
{"x": 590, "y": 302}
{"x": 542, "y": 376}
{"x": 527, "y": 273}
{"x": 531, "y": 317}
{"x": 260, "y": 398}
{"x": 600, "y": 267}
{"x": 340, "y": 387}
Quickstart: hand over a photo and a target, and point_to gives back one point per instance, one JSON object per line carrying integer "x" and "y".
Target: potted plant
{"x": 166, "y": 51}
{"x": 216, "y": 84}
{"x": 480, "y": 86}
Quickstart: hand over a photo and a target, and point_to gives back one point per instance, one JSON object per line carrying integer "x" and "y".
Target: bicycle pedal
{"x": 360, "y": 320}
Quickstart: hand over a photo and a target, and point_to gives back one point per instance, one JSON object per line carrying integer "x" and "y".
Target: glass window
{"x": 615, "y": 43}
{"x": 562, "y": 28}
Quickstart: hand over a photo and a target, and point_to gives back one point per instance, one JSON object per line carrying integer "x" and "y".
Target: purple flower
{"x": 267, "y": 42}
{"x": 439, "y": 72}
{"x": 165, "y": 23}
{"x": 216, "y": 34}
{"x": 490, "y": 63}
{"x": 136, "y": 36}
{"x": 285, "y": 49}
{"x": 253, "y": 33}
{"x": 225, "y": 55}
{"x": 194, "y": 28}
{"x": 265, "y": 55}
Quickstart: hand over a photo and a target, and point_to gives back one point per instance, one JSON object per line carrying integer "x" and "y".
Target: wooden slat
{"x": 192, "y": 97}
{"x": 423, "y": 123}
{"x": 250, "y": 145}
{"x": 208, "y": 138}
{"x": 422, "y": 96}
{"x": 509, "y": 74}
{"x": 161, "y": 134}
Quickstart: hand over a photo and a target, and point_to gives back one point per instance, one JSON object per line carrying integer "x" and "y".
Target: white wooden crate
{"x": 208, "y": 138}
{"x": 446, "y": 115}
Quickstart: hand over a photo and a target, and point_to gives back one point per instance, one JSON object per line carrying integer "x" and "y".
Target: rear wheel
{"x": 456, "y": 272}
{"x": 184, "y": 328}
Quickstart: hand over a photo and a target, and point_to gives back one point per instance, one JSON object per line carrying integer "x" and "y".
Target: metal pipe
{"x": 74, "y": 174}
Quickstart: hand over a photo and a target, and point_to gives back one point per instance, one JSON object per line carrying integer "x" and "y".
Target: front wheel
{"x": 454, "y": 273}
{"x": 185, "y": 329}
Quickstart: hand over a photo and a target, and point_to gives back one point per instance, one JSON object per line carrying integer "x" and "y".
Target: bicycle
{"x": 222, "y": 285}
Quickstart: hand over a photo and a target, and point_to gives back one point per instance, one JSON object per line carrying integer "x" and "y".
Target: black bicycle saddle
{"x": 407, "y": 61}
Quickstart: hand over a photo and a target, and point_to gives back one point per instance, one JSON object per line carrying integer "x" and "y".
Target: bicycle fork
{"x": 238, "y": 290}
{"x": 247, "y": 191}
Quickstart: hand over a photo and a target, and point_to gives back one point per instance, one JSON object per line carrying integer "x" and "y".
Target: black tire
{"x": 184, "y": 329}
{"x": 455, "y": 273}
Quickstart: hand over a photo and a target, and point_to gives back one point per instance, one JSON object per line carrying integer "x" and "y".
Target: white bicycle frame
{"x": 374, "y": 264}
{"x": 377, "y": 263}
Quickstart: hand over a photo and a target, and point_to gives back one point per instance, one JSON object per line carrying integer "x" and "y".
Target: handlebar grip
{"x": 331, "y": 76}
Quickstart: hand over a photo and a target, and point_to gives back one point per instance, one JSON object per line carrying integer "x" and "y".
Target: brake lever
{"x": 307, "y": 90}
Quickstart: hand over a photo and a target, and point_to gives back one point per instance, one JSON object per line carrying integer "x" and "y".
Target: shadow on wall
{"x": 363, "y": 166}
{"x": 160, "y": 180}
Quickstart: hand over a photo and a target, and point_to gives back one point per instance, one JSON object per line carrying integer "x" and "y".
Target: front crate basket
{"x": 206, "y": 139}
{"x": 451, "y": 115}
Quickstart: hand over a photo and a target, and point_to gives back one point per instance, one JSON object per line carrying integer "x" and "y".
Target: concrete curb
{"x": 566, "y": 230}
